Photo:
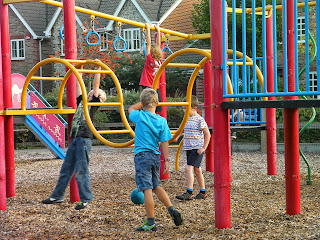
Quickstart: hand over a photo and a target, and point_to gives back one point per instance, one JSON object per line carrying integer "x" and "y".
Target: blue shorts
{"x": 193, "y": 158}
{"x": 147, "y": 166}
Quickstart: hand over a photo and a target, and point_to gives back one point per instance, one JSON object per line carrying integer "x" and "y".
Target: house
{"x": 36, "y": 28}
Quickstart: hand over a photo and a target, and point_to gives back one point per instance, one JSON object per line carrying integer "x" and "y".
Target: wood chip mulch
{"x": 258, "y": 202}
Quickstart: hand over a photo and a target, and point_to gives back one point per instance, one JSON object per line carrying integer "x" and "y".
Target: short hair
{"x": 156, "y": 52}
{"x": 149, "y": 97}
{"x": 194, "y": 101}
{"x": 101, "y": 95}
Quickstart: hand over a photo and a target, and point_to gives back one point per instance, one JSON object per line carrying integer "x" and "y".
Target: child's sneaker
{"x": 146, "y": 227}
{"x": 201, "y": 196}
{"x": 186, "y": 196}
{"x": 176, "y": 216}
{"x": 52, "y": 201}
{"x": 81, "y": 205}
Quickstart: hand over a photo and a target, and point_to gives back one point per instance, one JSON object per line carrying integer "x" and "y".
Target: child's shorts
{"x": 147, "y": 166}
{"x": 193, "y": 158}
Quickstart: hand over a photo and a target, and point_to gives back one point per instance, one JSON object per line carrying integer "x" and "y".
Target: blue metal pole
{"x": 274, "y": 15}
{"x": 254, "y": 46}
{"x": 318, "y": 42}
{"x": 264, "y": 46}
{"x": 306, "y": 7}
{"x": 244, "y": 47}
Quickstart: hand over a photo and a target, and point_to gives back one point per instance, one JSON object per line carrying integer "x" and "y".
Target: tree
{"x": 201, "y": 22}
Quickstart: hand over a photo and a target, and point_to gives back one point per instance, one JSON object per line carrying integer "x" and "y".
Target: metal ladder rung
{"x": 104, "y": 104}
{"x": 47, "y": 78}
{"x": 191, "y": 65}
{"x": 173, "y": 103}
{"x": 93, "y": 71}
{"x": 114, "y": 131}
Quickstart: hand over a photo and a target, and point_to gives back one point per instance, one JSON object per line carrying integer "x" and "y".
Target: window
{"x": 314, "y": 83}
{"x": 133, "y": 38}
{"x": 301, "y": 29}
{"x": 104, "y": 41}
{"x": 17, "y": 49}
{"x": 62, "y": 54}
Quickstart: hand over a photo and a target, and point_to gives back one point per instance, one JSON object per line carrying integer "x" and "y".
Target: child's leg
{"x": 190, "y": 176}
{"x": 163, "y": 196}
{"x": 148, "y": 203}
{"x": 174, "y": 213}
{"x": 199, "y": 177}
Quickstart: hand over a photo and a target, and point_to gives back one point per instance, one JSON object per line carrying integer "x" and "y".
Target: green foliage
{"x": 129, "y": 71}
{"x": 52, "y": 97}
{"x": 201, "y": 22}
{"x": 176, "y": 81}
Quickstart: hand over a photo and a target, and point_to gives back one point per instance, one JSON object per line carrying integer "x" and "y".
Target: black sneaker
{"x": 176, "y": 216}
{"x": 146, "y": 227}
{"x": 201, "y": 196}
{"x": 81, "y": 205}
{"x": 52, "y": 201}
{"x": 186, "y": 196}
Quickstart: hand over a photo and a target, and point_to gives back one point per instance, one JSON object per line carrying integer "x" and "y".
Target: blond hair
{"x": 101, "y": 95}
{"x": 156, "y": 52}
{"x": 194, "y": 101}
{"x": 149, "y": 98}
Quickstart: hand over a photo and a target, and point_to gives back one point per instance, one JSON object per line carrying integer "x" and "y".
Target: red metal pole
{"x": 291, "y": 126}
{"x": 70, "y": 36}
{"x": 221, "y": 119}
{"x": 7, "y": 100}
{"x": 163, "y": 113}
{"x": 3, "y": 199}
{"x": 271, "y": 112}
{"x": 207, "y": 82}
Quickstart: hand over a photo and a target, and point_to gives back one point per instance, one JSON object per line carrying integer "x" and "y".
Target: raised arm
{"x": 136, "y": 106}
{"x": 78, "y": 88}
{"x": 148, "y": 39}
{"x": 158, "y": 42}
{"x": 96, "y": 81}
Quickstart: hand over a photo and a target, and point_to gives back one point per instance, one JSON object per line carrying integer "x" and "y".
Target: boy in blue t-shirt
{"x": 150, "y": 130}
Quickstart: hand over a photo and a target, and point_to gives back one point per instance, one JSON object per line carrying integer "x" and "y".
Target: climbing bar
{"x": 34, "y": 111}
{"x": 104, "y": 104}
{"x": 48, "y": 78}
{"x": 240, "y": 63}
{"x": 114, "y": 131}
{"x": 191, "y": 65}
{"x": 173, "y": 103}
{"x": 117, "y": 19}
{"x": 75, "y": 61}
{"x": 93, "y": 71}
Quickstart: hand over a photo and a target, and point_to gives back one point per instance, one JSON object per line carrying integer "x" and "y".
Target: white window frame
{"x": 20, "y": 51}
{"x": 314, "y": 83}
{"x": 62, "y": 46}
{"x": 104, "y": 41}
{"x": 301, "y": 29}
{"x": 133, "y": 43}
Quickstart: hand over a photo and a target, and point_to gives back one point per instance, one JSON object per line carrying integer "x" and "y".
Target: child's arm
{"x": 78, "y": 88}
{"x": 165, "y": 151}
{"x": 158, "y": 42}
{"x": 148, "y": 39}
{"x": 206, "y": 141}
{"x": 136, "y": 106}
{"x": 96, "y": 81}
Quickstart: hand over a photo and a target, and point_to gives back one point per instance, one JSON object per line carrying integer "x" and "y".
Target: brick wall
{"x": 179, "y": 20}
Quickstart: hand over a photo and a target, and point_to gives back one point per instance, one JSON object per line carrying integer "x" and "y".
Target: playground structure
{"x": 222, "y": 91}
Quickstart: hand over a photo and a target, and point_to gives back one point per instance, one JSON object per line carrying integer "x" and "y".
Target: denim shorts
{"x": 147, "y": 166}
{"x": 193, "y": 158}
